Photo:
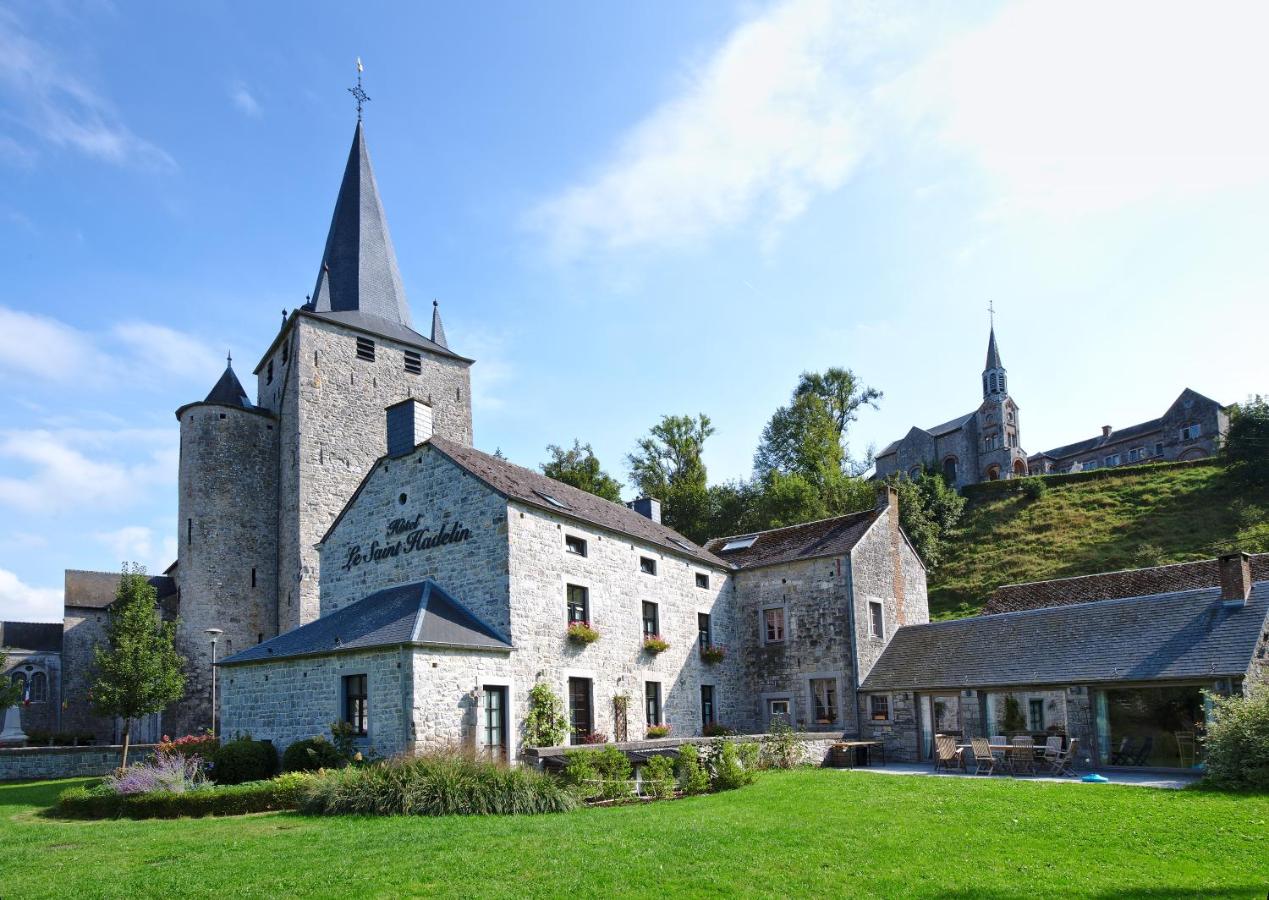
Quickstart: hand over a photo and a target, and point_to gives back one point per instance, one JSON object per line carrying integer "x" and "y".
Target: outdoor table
{"x": 866, "y": 747}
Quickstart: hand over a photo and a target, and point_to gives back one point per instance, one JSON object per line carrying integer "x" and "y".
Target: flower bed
{"x": 658, "y": 731}
{"x": 103, "y": 802}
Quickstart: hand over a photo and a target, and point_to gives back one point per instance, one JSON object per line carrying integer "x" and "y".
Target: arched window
{"x": 984, "y": 382}
{"x": 39, "y": 687}
{"x": 1002, "y": 383}
{"x": 993, "y": 473}
{"x": 914, "y": 473}
{"x": 1019, "y": 468}
{"x": 949, "y": 469}
{"x": 993, "y": 382}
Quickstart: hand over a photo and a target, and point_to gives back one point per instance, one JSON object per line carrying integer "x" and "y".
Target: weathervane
{"x": 357, "y": 92}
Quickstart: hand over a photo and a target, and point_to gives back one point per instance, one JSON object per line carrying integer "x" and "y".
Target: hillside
{"x": 1147, "y": 516}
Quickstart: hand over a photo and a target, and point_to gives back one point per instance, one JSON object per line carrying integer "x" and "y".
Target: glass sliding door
{"x": 1155, "y": 727}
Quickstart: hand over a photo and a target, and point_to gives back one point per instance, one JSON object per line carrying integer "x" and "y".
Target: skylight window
{"x": 554, "y": 501}
{"x": 683, "y": 545}
{"x": 740, "y": 543}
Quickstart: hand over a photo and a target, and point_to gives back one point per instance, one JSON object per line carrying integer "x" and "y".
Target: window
{"x": 39, "y": 687}
{"x": 740, "y": 543}
{"x": 1190, "y": 432}
{"x": 1088, "y": 465}
{"x": 993, "y": 382}
{"x": 707, "y": 705}
{"x": 652, "y": 701}
{"x": 580, "y": 721}
{"x": 705, "y": 626}
{"x": 1136, "y": 454}
{"x": 366, "y": 349}
{"x": 949, "y": 468}
{"x": 554, "y": 501}
{"x": 413, "y": 363}
{"x": 1112, "y": 459}
{"x": 876, "y": 619}
{"x": 253, "y": 576}
{"x": 189, "y": 532}
{"x": 824, "y": 698}
{"x": 574, "y": 545}
{"x": 702, "y": 580}
{"x": 879, "y": 707}
{"x": 647, "y": 565}
{"x": 355, "y": 703}
{"x": 578, "y": 604}
{"x": 773, "y": 625}
{"x": 268, "y": 373}
{"x": 779, "y": 708}
{"x": 286, "y": 351}
{"x": 651, "y": 625}
{"x": 19, "y": 681}
{"x": 1035, "y": 715}
{"x": 1158, "y": 449}
{"x": 496, "y": 722}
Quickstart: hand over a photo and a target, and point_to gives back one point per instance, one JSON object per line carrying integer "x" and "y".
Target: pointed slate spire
{"x": 438, "y": 330}
{"x": 228, "y": 390}
{"x": 359, "y": 268}
{"x": 993, "y": 355}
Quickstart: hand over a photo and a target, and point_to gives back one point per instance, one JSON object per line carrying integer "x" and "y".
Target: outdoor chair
{"x": 1143, "y": 753}
{"x": 946, "y": 754}
{"x": 983, "y": 757}
{"x": 997, "y": 740}
{"x": 1052, "y": 747}
{"x": 1021, "y": 756}
{"x": 1061, "y": 764}
{"x": 1123, "y": 756}
{"x": 1186, "y": 747}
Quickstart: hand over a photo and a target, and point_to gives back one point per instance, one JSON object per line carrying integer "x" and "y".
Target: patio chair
{"x": 1123, "y": 756}
{"x": 1052, "y": 746}
{"x": 946, "y": 754}
{"x": 1143, "y": 753}
{"x": 997, "y": 740}
{"x": 983, "y": 757}
{"x": 1021, "y": 756}
{"x": 1061, "y": 764}
{"x": 1186, "y": 748}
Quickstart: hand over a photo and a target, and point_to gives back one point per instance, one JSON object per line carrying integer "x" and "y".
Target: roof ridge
{"x": 805, "y": 524}
{"x": 1047, "y": 581}
{"x": 1062, "y": 606}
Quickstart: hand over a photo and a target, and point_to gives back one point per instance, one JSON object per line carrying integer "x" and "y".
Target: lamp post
{"x": 214, "y": 634}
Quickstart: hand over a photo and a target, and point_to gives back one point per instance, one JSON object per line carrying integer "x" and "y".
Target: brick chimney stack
{"x": 1235, "y": 578}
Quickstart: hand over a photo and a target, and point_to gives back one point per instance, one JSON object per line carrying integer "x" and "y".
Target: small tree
{"x": 1247, "y": 442}
{"x": 545, "y": 725}
{"x": 139, "y": 671}
{"x": 1237, "y": 741}
{"x": 580, "y": 468}
{"x": 1013, "y": 722}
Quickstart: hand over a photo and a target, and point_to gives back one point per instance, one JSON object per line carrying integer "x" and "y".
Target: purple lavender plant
{"x": 167, "y": 771}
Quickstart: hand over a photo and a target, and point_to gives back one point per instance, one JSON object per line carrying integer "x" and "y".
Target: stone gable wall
{"x": 875, "y": 577}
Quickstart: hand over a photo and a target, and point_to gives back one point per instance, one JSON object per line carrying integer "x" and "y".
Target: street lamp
{"x": 214, "y": 634}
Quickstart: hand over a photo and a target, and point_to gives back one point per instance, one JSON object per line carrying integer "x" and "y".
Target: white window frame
{"x": 651, "y": 560}
{"x": 809, "y": 694}
{"x": 585, "y": 552}
{"x": 889, "y": 708}
{"x": 882, "y": 607}
{"x": 762, "y": 622}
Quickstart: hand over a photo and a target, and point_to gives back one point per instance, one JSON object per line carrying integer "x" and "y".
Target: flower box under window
{"x": 654, "y": 644}
{"x": 582, "y": 633}
{"x": 713, "y": 653}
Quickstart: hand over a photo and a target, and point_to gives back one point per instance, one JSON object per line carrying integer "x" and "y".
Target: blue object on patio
{"x": 1094, "y": 778}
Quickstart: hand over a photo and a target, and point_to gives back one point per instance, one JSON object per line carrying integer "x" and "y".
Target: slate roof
{"x": 1130, "y": 433}
{"x": 44, "y": 636}
{"x": 527, "y": 486}
{"x": 438, "y": 329}
{"x": 228, "y": 391}
{"x": 1178, "y": 635}
{"x": 421, "y": 614}
{"x": 96, "y": 590}
{"x": 1110, "y": 585}
{"x": 993, "y": 355}
{"x": 937, "y": 431}
{"x": 827, "y": 537}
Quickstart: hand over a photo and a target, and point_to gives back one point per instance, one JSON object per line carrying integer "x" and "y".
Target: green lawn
{"x": 803, "y": 833}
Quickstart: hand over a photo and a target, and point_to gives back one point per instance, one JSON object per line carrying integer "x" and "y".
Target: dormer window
{"x": 740, "y": 543}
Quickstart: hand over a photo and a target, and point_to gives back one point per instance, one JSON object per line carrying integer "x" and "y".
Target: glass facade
{"x": 1152, "y": 727}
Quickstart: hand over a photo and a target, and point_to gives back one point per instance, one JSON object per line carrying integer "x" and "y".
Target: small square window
{"x": 876, "y": 619}
{"x": 879, "y": 707}
{"x": 647, "y": 565}
{"x": 366, "y": 349}
{"x": 574, "y": 545}
{"x": 773, "y": 625}
{"x": 702, "y": 580}
{"x": 578, "y": 604}
{"x": 413, "y": 363}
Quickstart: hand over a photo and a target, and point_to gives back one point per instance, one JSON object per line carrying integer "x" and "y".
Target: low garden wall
{"x": 815, "y": 746}
{"x": 32, "y": 763}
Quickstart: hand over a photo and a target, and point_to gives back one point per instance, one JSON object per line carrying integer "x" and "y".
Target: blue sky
{"x": 625, "y": 210}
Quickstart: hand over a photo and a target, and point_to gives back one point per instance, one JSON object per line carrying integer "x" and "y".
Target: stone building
{"x": 32, "y": 659}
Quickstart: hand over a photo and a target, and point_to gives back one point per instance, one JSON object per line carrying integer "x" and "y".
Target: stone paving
{"x": 1167, "y": 780}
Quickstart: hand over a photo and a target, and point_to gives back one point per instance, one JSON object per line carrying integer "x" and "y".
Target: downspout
{"x": 854, "y": 654}
{"x": 407, "y": 698}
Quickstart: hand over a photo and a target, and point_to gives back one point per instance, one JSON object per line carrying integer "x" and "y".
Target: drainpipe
{"x": 854, "y": 654}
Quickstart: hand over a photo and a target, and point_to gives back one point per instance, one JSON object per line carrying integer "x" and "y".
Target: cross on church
{"x": 991, "y": 310}
{"x": 357, "y": 92}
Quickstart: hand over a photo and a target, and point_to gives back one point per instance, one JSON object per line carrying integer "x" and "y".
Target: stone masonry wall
{"x": 334, "y": 428}
{"x": 447, "y": 697}
{"x": 82, "y": 629}
{"x": 42, "y": 763}
{"x": 227, "y": 498}
{"x": 884, "y": 568}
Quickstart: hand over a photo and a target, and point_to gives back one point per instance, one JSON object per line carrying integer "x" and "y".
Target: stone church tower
{"x": 1000, "y": 452}
{"x": 260, "y": 483}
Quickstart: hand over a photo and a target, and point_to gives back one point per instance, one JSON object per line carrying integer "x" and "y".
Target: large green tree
{"x": 668, "y": 465}
{"x": 579, "y": 467}
{"x": 138, "y": 672}
{"x": 1247, "y": 441}
{"x": 929, "y": 511}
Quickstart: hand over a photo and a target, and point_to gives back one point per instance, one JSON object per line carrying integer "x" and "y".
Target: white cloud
{"x": 171, "y": 352}
{"x": 44, "y": 347}
{"x": 62, "y": 109}
{"x": 766, "y": 124}
{"x": 493, "y": 370}
{"x": 138, "y": 543}
{"x": 244, "y": 100}
{"x": 23, "y": 603}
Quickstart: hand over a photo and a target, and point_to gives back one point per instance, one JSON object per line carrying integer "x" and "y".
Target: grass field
{"x": 802, "y": 833}
{"x": 1149, "y": 517}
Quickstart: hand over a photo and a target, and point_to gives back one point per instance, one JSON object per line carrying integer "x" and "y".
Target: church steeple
{"x": 438, "y": 330}
{"x": 994, "y": 375}
{"x": 359, "y": 267}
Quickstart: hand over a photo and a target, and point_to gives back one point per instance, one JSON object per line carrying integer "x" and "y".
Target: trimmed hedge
{"x": 242, "y": 760}
{"x": 283, "y": 792}
{"x": 312, "y": 754}
{"x": 985, "y": 490}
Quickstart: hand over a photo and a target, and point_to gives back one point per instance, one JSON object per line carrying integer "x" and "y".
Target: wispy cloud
{"x": 139, "y": 543}
{"x": 244, "y": 100}
{"x": 24, "y": 603}
{"x": 61, "y": 109}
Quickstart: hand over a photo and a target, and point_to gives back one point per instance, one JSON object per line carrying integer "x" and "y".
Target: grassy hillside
{"x": 1146, "y": 517}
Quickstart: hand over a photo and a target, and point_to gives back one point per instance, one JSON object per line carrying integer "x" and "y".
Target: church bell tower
{"x": 1000, "y": 451}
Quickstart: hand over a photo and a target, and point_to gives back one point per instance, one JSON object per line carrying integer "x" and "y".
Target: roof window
{"x": 554, "y": 501}
{"x": 740, "y": 543}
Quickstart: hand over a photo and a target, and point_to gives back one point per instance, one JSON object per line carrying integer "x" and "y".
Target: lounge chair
{"x": 946, "y": 754}
{"x": 1061, "y": 764}
{"x": 983, "y": 757}
{"x": 1021, "y": 756}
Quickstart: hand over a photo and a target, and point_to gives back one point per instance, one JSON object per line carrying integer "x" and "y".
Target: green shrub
{"x": 1034, "y": 488}
{"x": 580, "y": 773}
{"x": 693, "y": 779}
{"x": 242, "y": 760}
{"x": 311, "y": 754}
{"x": 750, "y": 755}
{"x": 599, "y": 774}
{"x": 658, "y": 777}
{"x": 1237, "y": 741}
{"x": 437, "y": 784}
{"x": 728, "y": 772}
{"x": 546, "y": 724}
{"x": 283, "y": 792}
{"x": 780, "y": 747}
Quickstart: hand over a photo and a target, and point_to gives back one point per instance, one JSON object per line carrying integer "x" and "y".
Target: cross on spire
{"x": 991, "y": 311}
{"x": 357, "y": 92}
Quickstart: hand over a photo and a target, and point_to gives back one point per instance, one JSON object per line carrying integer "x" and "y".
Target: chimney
{"x": 1105, "y": 431}
{"x": 887, "y": 496}
{"x": 647, "y": 506}
{"x": 409, "y": 424}
{"x": 1235, "y": 578}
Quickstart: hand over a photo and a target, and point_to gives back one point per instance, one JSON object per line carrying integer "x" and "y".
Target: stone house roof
{"x": 827, "y": 537}
{"x": 1111, "y": 585}
{"x": 42, "y": 636}
{"x": 1173, "y": 636}
{"x": 1123, "y": 435}
{"x": 937, "y": 431}
{"x": 420, "y": 614}
{"x": 96, "y": 590}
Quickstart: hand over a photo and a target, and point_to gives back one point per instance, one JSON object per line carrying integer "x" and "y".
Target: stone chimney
{"x": 409, "y": 424}
{"x": 649, "y": 507}
{"x": 1106, "y": 431}
{"x": 887, "y": 496}
{"x": 1235, "y": 578}
{"x": 888, "y": 505}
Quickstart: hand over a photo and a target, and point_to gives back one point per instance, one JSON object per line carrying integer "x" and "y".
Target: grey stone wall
{"x": 885, "y": 569}
{"x": 226, "y": 502}
{"x": 38, "y": 715}
{"x": 82, "y": 629}
{"x": 45, "y": 763}
{"x": 900, "y": 734}
{"x": 333, "y": 423}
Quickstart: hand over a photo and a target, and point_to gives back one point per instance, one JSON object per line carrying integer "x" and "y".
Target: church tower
{"x": 1000, "y": 453}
